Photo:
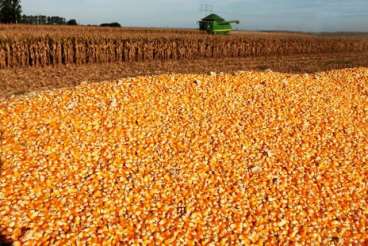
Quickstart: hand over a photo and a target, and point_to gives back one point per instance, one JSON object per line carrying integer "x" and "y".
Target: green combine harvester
{"x": 214, "y": 24}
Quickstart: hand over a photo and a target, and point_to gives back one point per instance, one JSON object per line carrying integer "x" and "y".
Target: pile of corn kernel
{"x": 244, "y": 158}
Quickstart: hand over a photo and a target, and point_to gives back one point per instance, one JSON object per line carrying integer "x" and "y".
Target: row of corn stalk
{"x": 42, "y": 51}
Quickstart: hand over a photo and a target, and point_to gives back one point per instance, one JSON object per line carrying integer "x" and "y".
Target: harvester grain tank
{"x": 215, "y": 24}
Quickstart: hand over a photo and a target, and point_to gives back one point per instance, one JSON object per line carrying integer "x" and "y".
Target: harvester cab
{"x": 215, "y": 24}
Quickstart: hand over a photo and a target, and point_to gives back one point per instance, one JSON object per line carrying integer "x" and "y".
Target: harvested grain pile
{"x": 252, "y": 158}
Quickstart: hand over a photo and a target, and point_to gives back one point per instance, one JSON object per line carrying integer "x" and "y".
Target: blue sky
{"x": 294, "y": 15}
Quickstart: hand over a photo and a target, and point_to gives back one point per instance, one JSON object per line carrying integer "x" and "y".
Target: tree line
{"x": 11, "y": 13}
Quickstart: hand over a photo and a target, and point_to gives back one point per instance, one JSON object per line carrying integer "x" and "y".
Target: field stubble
{"x": 18, "y": 81}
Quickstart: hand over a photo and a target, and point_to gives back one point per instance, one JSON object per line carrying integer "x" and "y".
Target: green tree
{"x": 10, "y": 11}
{"x": 72, "y": 22}
{"x": 113, "y": 24}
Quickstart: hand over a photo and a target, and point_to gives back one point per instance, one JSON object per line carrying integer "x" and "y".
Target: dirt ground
{"x": 20, "y": 81}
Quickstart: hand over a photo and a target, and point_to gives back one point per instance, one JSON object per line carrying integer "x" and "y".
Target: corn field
{"x": 46, "y": 46}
